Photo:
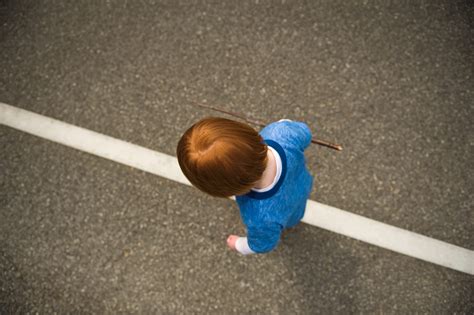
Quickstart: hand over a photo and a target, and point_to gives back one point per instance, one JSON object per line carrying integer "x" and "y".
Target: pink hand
{"x": 231, "y": 240}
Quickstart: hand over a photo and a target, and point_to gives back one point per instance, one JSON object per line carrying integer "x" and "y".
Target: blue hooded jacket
{"x": 266, "y": 214}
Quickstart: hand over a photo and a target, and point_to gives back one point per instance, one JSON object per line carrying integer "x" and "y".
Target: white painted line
{"x": 389, "y": 237}
{"x": 317, "y": 214}
{"x": 92, "y": 142}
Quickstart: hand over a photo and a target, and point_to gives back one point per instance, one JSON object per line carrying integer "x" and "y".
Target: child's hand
{"x": 231, "y": 241}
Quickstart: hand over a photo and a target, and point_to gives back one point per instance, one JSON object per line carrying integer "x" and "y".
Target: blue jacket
{"x": 266, "y": 214}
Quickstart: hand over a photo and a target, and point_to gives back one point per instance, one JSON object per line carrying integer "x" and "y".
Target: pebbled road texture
{"x": 391, "y": 81}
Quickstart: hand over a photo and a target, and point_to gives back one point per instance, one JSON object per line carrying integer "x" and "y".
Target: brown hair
{"x": 222, "y": 157}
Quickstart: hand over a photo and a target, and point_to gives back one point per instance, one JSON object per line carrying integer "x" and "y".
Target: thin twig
{"x": 260, "y": 123}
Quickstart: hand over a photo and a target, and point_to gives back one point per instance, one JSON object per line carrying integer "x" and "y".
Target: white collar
{"x": 278, "y": 172}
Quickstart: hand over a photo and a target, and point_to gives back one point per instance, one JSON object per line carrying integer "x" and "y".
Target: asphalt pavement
{"x": 391, "y": 81}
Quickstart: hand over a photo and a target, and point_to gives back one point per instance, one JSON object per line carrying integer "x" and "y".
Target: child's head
{"x": 222, "y": 157}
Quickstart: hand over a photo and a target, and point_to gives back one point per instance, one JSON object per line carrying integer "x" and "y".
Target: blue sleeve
{"x": 264, "y": 239}
{"x": 301, "y": 132}
{"x": 294, "y": 133}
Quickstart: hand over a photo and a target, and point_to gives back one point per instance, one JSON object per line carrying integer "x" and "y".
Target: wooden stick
{"x": 260, "y": 123}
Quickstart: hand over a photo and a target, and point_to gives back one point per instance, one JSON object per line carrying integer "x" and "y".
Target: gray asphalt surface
{"x": 391, "y": 81}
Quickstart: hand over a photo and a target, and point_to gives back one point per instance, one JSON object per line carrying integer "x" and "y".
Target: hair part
{"x": 222, "y": 157}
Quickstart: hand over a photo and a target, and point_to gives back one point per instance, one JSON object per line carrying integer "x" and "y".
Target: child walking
{"x": 265, "y": 171}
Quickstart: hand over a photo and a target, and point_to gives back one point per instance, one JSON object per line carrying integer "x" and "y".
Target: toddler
{"x": 265, "y": 171}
